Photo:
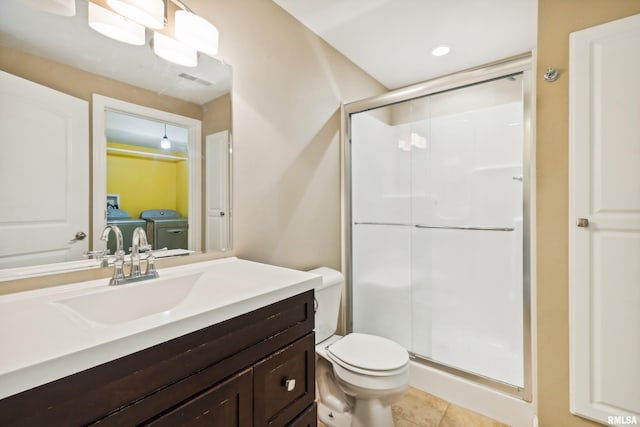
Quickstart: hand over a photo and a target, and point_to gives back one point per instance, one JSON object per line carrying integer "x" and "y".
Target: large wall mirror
{"x": 107, "y": 164}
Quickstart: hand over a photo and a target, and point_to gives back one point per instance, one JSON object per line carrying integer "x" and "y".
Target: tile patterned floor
{"x": 420, "y": 409}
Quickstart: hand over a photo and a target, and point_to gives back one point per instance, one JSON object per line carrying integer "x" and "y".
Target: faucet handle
{"x": 118, "y": 272}
{"x": 151, "y": 264}
{"x": 119, "y": 254}
{"x": 101, "y": 256}
{"x": 96, "y": 254}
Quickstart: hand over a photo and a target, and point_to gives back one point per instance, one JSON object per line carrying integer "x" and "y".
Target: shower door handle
{"x": 582, "y": 222}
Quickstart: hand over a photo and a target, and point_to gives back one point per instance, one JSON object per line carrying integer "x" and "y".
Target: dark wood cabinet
{"x": 227, "y": 404}
{"x": 257, "y": 369}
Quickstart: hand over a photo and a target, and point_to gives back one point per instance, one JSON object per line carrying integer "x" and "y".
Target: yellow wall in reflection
{"x": 146, "y": 182}
{"x": 182, "y": 188}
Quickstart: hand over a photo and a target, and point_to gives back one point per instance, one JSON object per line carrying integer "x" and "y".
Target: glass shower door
{"x": 381, "y": 213}
{"x": 437, "y": 227}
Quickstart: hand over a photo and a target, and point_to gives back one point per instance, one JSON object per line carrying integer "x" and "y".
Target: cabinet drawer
{"x": 308, "y": 418}
{"x": 284, "y": 383}
{"x": 225, "y": 405}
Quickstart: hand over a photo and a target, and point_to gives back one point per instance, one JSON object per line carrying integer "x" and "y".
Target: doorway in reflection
{"x": 147, "y": 179}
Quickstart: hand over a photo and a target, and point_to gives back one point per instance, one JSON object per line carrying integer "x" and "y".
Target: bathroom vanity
{"x": 235, "y": 347}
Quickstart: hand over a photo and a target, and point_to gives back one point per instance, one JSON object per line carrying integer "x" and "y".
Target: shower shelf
{"x": 438, "y": 227}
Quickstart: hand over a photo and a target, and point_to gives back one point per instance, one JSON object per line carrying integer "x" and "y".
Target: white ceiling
{"x": 392, "y": 39}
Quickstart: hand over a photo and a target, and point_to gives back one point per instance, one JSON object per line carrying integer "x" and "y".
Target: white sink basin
{"x": 131, "y": 301}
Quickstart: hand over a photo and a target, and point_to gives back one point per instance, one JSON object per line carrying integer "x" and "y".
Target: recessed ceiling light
{"x": 441, "y": 50}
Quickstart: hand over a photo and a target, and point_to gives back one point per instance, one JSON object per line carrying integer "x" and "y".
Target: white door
{"x": 44, "y": 174}
{"x": 217, "y": 165}
{"x": 605, "y": 222}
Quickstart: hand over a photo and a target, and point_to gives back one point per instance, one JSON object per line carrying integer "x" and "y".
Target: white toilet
{"x": 358, "y": 376}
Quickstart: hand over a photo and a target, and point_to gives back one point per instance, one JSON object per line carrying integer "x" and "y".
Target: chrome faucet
{"x": 118, "y": 265}
{"x": 138, "y": 243}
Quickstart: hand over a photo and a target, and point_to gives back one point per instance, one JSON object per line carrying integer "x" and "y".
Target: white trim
{"x": 146, "y": 154}
{"x": 102, "y": 103}
{"x": 476, "y": 397}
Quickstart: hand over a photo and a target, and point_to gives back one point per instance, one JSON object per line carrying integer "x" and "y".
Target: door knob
{"x": 79, "y": 236}
{"x": 582, "y": 222}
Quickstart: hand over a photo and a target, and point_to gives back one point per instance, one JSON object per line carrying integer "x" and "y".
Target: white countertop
{"x": 42, "y": 340}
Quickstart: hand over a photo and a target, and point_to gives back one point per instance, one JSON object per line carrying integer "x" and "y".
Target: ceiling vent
{"x": 195, "y": 79}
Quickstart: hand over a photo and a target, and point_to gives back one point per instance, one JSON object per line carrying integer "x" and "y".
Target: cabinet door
{"x": 225, "y": 405}
{"x": 284, "y": 384}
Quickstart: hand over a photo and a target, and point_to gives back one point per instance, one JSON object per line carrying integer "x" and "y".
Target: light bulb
{"x": 165, "y": 143}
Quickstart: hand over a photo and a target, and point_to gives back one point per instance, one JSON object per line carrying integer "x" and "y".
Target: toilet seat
{"x": 369, "y": 355}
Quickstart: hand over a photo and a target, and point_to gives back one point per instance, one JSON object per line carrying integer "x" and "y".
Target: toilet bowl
{"x": 358, "y": 376}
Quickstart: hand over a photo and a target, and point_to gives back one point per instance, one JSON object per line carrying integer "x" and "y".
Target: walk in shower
{"x": 437, "y": 223}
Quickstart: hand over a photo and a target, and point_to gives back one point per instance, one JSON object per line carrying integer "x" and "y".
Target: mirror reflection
{"x": 153, "y": 156}
{"x": 63, "y": 55}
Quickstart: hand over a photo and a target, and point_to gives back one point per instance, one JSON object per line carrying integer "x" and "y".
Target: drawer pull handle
{"x": 289, "y": 384}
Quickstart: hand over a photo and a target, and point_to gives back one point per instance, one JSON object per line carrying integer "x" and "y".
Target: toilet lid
{"x": 369, "y": 352}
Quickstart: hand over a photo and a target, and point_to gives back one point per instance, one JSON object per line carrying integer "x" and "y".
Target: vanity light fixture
{"x": 196, "y": 32}
{"x": 165, "y": 143}
{"x": 441, "y": 50}
{"x": 179, "y": 34}
{"x": 57, "y": 7}
{"x": 116, "y": 26}
{"x": 174, "y": 50}
{"x": 149, "y": 13}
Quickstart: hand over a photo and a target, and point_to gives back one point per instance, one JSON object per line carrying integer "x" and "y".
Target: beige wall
{"x": 556, "y": 19}
{"x": 216, "y": 115}
{"x": 287, "y": 89}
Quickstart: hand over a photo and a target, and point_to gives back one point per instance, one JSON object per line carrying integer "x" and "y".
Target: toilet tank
{"x": 328, "y": 295}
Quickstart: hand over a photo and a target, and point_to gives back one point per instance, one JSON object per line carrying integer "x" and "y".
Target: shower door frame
{"x": 517, "y": 65}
